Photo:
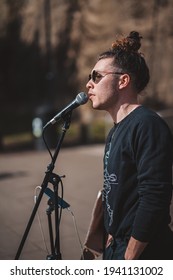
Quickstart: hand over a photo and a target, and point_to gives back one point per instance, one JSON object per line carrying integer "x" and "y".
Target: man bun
{"x": 131, "y": 43}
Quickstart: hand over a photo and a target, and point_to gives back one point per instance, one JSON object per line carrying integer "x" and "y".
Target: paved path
{"x": 21, "y": 173}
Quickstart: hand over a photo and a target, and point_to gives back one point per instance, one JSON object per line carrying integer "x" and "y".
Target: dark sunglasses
{"x": 95, "y": 76}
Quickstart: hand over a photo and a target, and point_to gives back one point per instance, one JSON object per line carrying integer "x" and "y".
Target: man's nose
{"x": 89, "y": 84}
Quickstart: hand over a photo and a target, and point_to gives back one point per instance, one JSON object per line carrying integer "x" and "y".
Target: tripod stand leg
{"x": 55, "y": 248}
{"x": 49, "y": 212}
{"x": 28, "y": 227}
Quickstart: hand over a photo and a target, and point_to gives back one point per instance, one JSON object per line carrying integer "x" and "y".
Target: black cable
{"x": 46, "y": 144}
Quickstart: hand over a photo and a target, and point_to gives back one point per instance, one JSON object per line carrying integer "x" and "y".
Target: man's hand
{"x": 134, "y": 249}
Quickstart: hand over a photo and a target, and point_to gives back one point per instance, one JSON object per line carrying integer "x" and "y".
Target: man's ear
{"x": 124, "y": 80}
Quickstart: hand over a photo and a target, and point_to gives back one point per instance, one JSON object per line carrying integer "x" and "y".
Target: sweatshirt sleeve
{"x": 153, "y": 150}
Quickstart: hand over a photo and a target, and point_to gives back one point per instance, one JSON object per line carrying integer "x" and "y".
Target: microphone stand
{"x": 53, "y": 178}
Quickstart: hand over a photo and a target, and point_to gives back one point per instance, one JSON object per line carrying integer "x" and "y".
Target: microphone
{"x": 80, "y": 99}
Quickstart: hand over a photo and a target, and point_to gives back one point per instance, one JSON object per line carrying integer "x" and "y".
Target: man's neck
{"x": 123, "y": 111}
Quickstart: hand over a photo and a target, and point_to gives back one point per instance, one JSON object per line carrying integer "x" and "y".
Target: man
{"x": 138, "y": 158}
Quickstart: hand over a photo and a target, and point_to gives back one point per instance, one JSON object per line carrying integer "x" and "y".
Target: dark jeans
{"x": 116, "y": 250}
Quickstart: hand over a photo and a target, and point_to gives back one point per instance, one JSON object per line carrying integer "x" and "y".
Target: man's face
{"x": 103, "y": 85}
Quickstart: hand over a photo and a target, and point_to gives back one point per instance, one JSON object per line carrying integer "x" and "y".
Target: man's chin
{"x": 96, "y": 107}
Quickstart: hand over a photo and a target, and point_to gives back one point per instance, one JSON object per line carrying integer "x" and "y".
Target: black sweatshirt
{"x": 138, "y": 176}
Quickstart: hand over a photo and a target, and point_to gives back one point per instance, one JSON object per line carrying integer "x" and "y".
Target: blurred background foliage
{"x": 48, "y": 48}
